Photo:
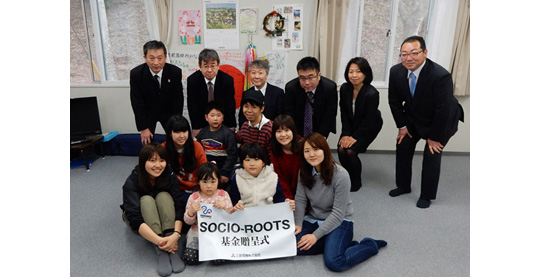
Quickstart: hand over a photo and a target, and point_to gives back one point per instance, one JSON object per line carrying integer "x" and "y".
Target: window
{"x": 82, "y": 45}
{"x": 106, "y": 39}
{"x": 383, "y": 25}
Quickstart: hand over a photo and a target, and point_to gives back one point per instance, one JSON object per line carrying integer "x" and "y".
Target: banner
{"x": 256, "y": 233}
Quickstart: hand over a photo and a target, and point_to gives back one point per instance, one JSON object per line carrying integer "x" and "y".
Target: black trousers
{"x": 163, "y": 123}
{"x": 431, "y": 167}
{"x": 348, "y": 158}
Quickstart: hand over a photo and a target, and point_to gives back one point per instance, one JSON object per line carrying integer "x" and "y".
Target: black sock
{"x": 381, "y": 243}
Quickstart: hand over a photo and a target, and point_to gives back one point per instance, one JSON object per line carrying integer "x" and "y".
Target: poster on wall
{"x": 248, "y": 21}
{"x": 189, "y": 26}
{"x": 277, "y": 61}
{"x": 221, "y": 24}
{"x": 293, "y": 36}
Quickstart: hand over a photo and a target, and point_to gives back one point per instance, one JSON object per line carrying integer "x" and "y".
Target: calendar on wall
{"x": 221, "y": 24}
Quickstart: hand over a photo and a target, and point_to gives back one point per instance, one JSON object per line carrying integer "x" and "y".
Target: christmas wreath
{"x": 278, "y": 29}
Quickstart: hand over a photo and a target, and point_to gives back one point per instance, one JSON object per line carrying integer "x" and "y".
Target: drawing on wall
{"x": 248, "y": 21}
{"x": 189, "y": 26}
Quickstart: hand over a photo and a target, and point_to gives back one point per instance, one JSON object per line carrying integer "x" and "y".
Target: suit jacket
{"x": 151, "y": 103}
{"x": 197, "y": 98}
{"x": 434, "y": 112}
{"x": 324, "y": 106}
{"x": 367, "y": 120}
{"x": 274, "y": 98}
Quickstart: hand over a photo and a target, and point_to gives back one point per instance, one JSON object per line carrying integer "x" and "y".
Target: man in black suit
{"x": 206, "y": 85}
{"x": 155, "y": 90}
{"x": 311, "y": 99}
{"x": 274, "y": 97}
{"x": 421, "y": 99}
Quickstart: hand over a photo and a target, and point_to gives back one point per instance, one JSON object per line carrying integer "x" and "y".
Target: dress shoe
{"x": 398, "y": 192}
{"x": 423, "y": 203}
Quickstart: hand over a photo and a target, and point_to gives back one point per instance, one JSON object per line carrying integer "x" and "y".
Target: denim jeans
{"x": 339, "y": 250}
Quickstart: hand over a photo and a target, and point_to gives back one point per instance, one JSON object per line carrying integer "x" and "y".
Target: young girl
{"x": 153, "y": 206}
{"x": 286, "y": 153}
{"x": 208, "y": 193}
{"x": 185, "y": 154}
{"x": 255, "y": 183}
{"x": 327, "y": 227}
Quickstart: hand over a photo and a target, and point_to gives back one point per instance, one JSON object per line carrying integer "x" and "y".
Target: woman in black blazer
{"x": 361, "y": 119}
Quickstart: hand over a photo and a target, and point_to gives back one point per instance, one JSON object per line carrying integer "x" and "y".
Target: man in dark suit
{"x": 155, "y": 90}
{"x": 206, "y": 85}
{"x": 311, "y": 99}
{"x": 421, "y": 99}
{"x": 274, "y": 97}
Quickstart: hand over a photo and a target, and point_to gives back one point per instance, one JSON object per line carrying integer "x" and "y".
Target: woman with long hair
{"x": 153, "y": 206}
{"x": 185, "y": 154}
{"x": 327, "y": 227}
{"x": 286, "y": 153}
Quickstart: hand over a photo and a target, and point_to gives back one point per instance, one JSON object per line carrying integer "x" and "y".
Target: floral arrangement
{"x": 279, "y": 23}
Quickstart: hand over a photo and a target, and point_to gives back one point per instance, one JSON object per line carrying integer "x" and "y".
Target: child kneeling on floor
{"x": 207, "y": 193}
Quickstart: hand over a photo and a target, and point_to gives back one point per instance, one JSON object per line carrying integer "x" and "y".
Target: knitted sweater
{"x": 328, "y": 203}
{"x": 256, "y": 191}
{"x": 261, "y": 133}
{"x": 286, "y": 166}
{"x": 220, "y": 146}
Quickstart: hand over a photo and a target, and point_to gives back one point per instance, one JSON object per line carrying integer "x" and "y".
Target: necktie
{"x": 210, "y": 92}
{"x": 308, "y": 114}
{"x": 413, "y": 84}
{"x": 156, "y": 80}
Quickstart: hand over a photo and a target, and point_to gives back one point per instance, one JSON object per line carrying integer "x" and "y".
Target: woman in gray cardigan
{"x": 327, "y": 227}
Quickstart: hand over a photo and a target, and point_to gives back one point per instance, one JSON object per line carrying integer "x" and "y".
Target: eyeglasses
{"x": 308, "y": 78}
{"x": 413, "y": 54}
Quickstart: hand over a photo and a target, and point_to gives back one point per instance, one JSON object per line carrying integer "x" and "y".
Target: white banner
{"x": 256, "y": 233}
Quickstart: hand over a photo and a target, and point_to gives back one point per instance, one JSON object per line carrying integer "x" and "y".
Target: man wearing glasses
{"x": 311, "y": 99}
{"x": 420, "y": 94}
{"x": 210, "y": 84}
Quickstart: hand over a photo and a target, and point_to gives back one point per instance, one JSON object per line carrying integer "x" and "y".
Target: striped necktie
{"x": 308, "y": 114}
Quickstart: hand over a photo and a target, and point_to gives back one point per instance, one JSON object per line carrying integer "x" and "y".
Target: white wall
{"x": 116, "y": 113}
